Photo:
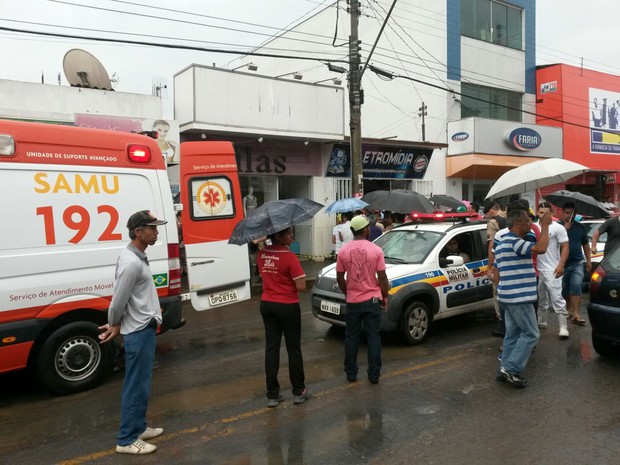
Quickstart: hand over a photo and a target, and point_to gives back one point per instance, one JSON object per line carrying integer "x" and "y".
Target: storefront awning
{"x": 483, "y": 166}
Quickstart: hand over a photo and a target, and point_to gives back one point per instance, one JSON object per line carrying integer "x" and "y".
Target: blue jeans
{"x": 370, "y": 314}
{"x": 139, "y": 358}
{"x": 521, "y": 335}
{"x": 572, "y": 279}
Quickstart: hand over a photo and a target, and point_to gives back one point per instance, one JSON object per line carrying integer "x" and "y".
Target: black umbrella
{"x": 399, "y": 201}
{"x": 373, "y": 196}
{"x": 272, "y": 217}
{"x": 584, "y": 204}
{"x": 447, "y": 201}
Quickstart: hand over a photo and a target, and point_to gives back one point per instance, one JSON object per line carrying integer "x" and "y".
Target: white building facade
{"x": 455, "y": 59}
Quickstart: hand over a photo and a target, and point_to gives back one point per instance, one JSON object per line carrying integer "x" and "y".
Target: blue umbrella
{"x": 348, "y": 204}
{"x": 272, "y": 217}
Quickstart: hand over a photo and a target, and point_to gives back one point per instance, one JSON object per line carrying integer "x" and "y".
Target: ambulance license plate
{"x": 225, "y": 297}
{"x": 330, "y": 307}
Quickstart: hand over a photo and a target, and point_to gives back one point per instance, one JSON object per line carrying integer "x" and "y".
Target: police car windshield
{"x": 402, "y": 246}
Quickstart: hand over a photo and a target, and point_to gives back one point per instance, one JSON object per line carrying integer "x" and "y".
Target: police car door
{"x": 462, "y": 282}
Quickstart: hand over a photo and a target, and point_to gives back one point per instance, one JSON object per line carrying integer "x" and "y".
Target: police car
{"x": 425, "y": 284}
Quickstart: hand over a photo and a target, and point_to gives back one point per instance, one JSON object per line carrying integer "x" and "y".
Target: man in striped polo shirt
{"x": 517, "y": 292}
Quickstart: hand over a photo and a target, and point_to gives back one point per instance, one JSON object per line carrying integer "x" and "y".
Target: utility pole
{"x": 422, "y": 113}
{"x": 355, "y": 101}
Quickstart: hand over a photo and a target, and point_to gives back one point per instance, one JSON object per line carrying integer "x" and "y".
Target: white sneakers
{"x": 139, "y": 446}
{"x": 150, "y": 433}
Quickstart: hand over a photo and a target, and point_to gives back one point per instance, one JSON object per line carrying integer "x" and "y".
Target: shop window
{"x": 256, "y": 190}
{"x": 342, "y": 188}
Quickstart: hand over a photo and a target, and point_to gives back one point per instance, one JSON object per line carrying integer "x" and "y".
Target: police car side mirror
{"x": 455, "y": 260}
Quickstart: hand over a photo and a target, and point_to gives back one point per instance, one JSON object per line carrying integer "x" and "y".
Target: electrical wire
{"x": 181, "y": 21}
{"x": 172, "y": 46}
{"x": 547, "y": 117}
{"x": 159, "y": 36}
{"x": 211, "y": 50}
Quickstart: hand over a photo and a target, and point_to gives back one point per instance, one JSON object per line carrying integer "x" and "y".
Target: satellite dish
{"x": 83, "y": 70}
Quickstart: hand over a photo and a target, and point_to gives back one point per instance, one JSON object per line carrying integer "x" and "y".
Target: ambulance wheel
{"x": 415, "y": 323}
{"x": 72, "y": 360}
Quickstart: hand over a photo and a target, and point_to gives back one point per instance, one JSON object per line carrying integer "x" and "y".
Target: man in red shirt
{"x": 366, "y": 291}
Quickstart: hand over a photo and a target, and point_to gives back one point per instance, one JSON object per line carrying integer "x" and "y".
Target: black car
{"x": 604, "y": 306}
{"x": 596, "y": 255}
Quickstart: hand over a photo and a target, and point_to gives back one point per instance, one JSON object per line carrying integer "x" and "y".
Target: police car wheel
{"x": 72, "y": 359}
{"x": 415, "y": 323}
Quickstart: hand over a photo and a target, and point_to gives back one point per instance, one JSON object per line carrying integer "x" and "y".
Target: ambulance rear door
{"x": 218, "y": 272}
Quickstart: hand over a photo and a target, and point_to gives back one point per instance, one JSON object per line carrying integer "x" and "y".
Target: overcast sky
{"x": 567, "y": 31}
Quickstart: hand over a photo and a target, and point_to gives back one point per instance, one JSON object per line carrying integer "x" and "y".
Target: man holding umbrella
{"x": 573, "y": 271}
{"x": 551, "y": 269}
{"x": 516, "y": 292}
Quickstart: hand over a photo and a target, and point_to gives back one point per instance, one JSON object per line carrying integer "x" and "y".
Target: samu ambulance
{"x": 67, "y": 194}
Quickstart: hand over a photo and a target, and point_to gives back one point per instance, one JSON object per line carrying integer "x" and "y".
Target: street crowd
{"x": 535, "y": 265}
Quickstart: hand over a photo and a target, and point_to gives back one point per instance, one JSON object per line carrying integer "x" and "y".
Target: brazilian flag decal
{"x": 160, "y": 280}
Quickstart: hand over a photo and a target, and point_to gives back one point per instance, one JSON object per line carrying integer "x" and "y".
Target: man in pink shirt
{"x": 366, "y": 291}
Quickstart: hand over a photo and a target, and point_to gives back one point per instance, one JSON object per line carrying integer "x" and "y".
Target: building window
{"x": 493, "y": 22}
{"x": 487, "y": 102}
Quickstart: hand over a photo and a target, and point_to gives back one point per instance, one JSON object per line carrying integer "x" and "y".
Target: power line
{"x": 326, "y": 60}
{"x": 187, "y": 22}
{"x": 454, "y": 92}
{"x": 173, "y": 46}
{"x": 269, "y": 55}
{"x": 159, "y": 36}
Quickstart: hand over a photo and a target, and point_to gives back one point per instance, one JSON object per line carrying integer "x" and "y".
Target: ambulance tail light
{"x": 7, "y": 145}
{"x": 174, "y": 270}
{"x": 139, "y": 153}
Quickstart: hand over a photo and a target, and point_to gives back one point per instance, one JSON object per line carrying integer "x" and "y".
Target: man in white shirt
{"x": 551, "y": 268}
{"x": 341, "y": 234}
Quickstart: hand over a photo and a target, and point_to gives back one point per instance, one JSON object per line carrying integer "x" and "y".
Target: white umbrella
{"x": 535, "y": 175}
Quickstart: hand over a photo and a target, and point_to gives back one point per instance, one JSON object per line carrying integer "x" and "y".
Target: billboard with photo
{"x": 603, "y": 115}
{"x": 168, "y": 130}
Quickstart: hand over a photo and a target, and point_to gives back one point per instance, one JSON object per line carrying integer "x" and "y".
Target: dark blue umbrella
{"x": 399, "y": 201}
{"x": 446, "y": 201}
{"x": 272, "y": 217}
{"x": 584, "y": 204}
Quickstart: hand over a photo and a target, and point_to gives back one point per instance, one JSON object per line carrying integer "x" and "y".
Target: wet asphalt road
{"x": 437, "y": 403}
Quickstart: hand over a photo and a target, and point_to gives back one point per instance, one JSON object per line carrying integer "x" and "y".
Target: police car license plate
{"x": 330, "y": 307}
{"x": 225, "y": 297}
